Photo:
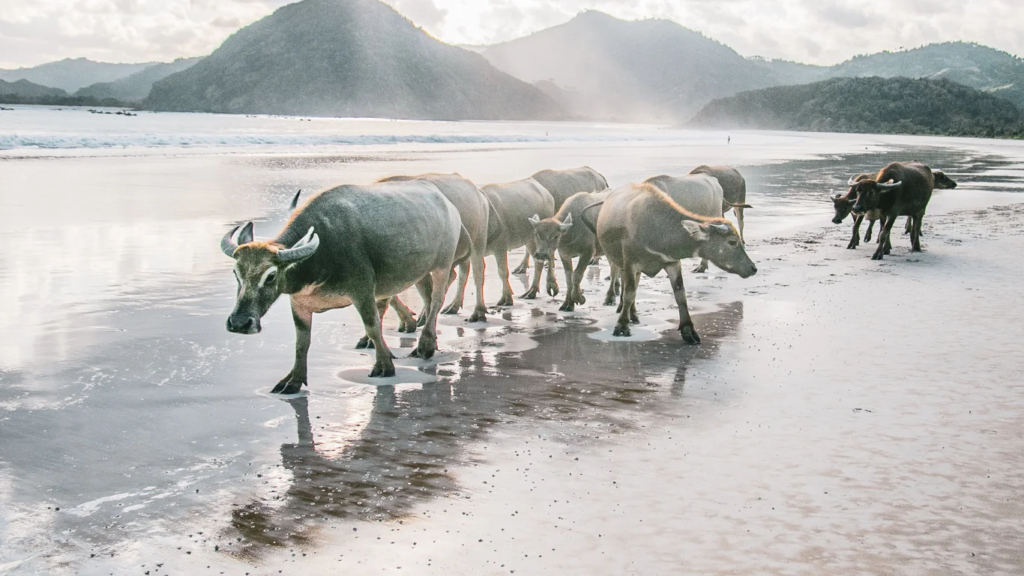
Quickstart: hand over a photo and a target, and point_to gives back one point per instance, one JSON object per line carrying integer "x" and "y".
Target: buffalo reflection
{"x": 404, "y": 453}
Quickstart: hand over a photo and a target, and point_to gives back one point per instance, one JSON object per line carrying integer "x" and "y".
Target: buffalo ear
{"x": 246, "y": 235}
{"x": 698, "y": 232}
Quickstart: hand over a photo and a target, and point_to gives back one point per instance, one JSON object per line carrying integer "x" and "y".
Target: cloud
{"x": 805, "y": 30}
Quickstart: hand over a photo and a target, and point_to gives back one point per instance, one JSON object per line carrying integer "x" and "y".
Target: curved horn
{"x": 720, "y": 227}
{"x": 889, "y": 185}
{"x": 852, "y": 181}
{"x": 228, "y": 245}
{"x": 302, "y": 249}
{"x": 535, "y": 219}
{"x": 295, "y": 200}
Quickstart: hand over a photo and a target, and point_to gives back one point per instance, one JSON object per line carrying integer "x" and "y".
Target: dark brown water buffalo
{"x": 349, "y": 245}
{"x": 899, "y": 189}
{"x": 566, "y": 233}
{"x": 513, "y": 205}
{"x": 843, "y": 205}
{"x": 645, "y": 230}
{"x": 562, "y": 184}
{"x": 734, "y": 189}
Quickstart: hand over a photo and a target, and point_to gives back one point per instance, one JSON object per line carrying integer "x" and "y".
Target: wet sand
{"x": 841, "y": 416}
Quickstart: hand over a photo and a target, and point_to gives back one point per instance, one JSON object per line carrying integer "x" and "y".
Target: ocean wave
{"x": 105, "y": 141}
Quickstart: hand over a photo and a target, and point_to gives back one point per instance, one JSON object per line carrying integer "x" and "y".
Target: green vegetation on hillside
{"x": 348, "y": 58}
{"x": 868, "y": 105}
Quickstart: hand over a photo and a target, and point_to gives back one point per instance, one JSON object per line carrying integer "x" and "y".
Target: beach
{"x": 841, "y": 415}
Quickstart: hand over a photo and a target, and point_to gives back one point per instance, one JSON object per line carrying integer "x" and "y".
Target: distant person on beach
{"x": 728, "y": 139}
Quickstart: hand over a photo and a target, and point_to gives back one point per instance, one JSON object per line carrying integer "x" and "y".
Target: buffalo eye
{"x": 270, "y": 278}
{"x": 734, "y": 243}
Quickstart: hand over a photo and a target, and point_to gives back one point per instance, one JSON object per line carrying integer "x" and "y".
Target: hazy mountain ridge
{"x": 348, "y": 58}
{"x": 642, "y": 70}
{"x": 867, "y": 105}
{"x": 136, "y": 87}
{"x": 71, "y": 74}
{"x": 23, "y": 89}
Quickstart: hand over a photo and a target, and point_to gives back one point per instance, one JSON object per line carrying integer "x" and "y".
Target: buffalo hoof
{"x": 505, "y": 301}
{"x": 553, "y": 290}
{"x": 610, "y": 301}
{"x": 700, "y": 269}
{"x": 288, "y": 386}
{"x": 595, "y": 261}
{"x": 479, "y": 315}
{"x": 633, "y": 318}
{"x": 407, "y": 327}
{"x": 689, "y": 335}
{"x": 580, "y": 298}
{"x": 453, "y": 308}
{"x": 876, "y": 256}
{"x": 568, "y": 306}
{"x": 621, "y": 331}
{"x": 424, "y": 351}
{"x": 522, "y": 268}
{"x": 530, "y": 294}
{"x": 364, "y": 343}
{"x": 382, "y": 371}
{"x": 853, "y": 245}
{"x": 867, "y": 237}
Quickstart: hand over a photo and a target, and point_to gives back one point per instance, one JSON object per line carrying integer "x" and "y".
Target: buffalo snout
{"x": 242, "y": 324}
{"x": 837, "y": 220}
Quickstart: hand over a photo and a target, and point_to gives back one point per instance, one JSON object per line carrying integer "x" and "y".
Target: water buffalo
{"x": 899, "y": 189}
{"x": 562, "y": 184}
{"x": 701, "y": 194}
{"x": 566, "y": 233}
{"x": 474, "y": 211}
{"x": 645, "y": 230}
{"x": 734, "y": 189}
{"x": 843, "y": 205}
{"x": 349, "y": 245}
{"x": 513, "y": 205}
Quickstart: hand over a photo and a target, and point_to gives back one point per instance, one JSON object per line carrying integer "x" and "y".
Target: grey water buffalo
{"x": 899, "y": 189}
{"x": 734, "y": 189}
{"x": 474, "y": 210}
{"x": 562, "y": 184}
{"x": 513, "y": 205}
{"x": 645, "y": 230}
{"x": 566, "y": 233}
{"x": 349, "y": 245}
{"x": 700, "y": 193}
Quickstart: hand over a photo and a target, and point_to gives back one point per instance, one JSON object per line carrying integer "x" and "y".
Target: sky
{"x": 813, "y": 31}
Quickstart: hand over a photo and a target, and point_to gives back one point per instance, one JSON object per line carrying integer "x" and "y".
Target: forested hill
{"x": 868, "y": 105}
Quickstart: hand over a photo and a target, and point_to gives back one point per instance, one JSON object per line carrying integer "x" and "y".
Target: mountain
{"x": 868, "y": 105}
{"x": 71, "y": 74}
{"x": 973, "y": 65}
{"x": 347, "y": 58}
{"x": 135, "y": 87}
{"x": 23, "y": 89}
{"x": 647, "y": 70}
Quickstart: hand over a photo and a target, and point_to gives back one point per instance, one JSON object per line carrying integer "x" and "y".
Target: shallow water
{"x": 125, "y": 404}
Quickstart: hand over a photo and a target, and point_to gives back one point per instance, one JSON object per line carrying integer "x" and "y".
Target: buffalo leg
{"x": 460, "y": 293}
{"x": 384, "y": 366}
{"x": 870, "y": 232}
{"x": 915, "y": 233}
{"x": 909, "y": 229}
{"x": 506, "y": 288}
{"x": 675, "y": 276}
{"x": 628, "y": 298}
{"x": 538, "y": 270}
{"x": 570, "y": 303}
{"x": 613, "y": 278}
{"x": 382, "y": 309}
{"x": 423, "y": 287}
{"x": 552, "y": 283}
{"x": 883, "y": 242}
{"x": 524, "y": 266}
{"x": 427, "y": 345}
{"x": 855, "y": 241}
{"x": 295, "y": 379}
{"x": 407, "y": 320}
{"x": 480, "y": 312}
{"x": 577, "y": 278}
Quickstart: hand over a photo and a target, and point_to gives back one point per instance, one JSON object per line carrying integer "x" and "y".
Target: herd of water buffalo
{"x": 362, "y": 245}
